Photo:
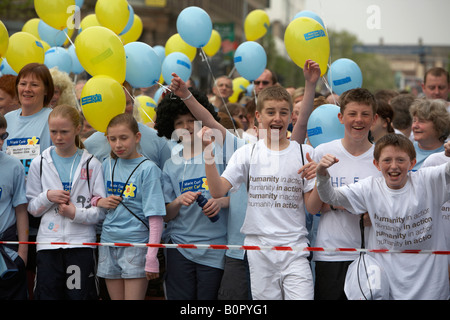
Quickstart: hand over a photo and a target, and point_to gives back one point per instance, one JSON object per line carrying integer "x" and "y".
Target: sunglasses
{"x": 4, "y": 136}
{"x": 264, "y": 82}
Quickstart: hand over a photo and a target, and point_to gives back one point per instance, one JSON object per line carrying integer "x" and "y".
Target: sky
{"x": 398, "y": 22}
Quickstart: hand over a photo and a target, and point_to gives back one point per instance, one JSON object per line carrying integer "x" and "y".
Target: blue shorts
{"x": 121, "y": 262}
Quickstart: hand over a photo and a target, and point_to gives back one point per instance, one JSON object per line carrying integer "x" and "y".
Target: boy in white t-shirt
{"x": 405, "y": 210}
{"x": 338, "y": 228}
{"x": 436, "y": 159}
{"x": 276, "y": 193}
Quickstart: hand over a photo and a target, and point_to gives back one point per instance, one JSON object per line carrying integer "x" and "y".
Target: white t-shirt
{"x": 275, "y": 208}
{"x": 434, "y": 160}
{"x": 339, "y": 228}
{"x": 407, "y": 219}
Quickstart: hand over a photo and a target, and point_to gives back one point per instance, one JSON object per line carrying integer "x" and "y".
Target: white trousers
{"x": 279, "y": 275}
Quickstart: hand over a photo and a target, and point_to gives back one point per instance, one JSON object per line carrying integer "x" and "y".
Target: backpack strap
{"x": 87, "y": 172}
{"x": 123, "y": 190}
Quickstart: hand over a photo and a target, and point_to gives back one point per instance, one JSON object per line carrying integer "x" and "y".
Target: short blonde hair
{"x": 277, "y": 93}
{"x": 62, "y": 81}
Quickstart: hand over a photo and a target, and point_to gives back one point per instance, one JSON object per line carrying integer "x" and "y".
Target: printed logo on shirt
{"x": 67, "y": 186}
{"x": 83, "y": 174}
{"x": 194, "y": 185}
{"x": 116, "y": 189}
{"x": 24, "y": 149}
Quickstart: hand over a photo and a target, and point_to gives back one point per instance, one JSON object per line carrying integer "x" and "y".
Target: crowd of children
{"x": 137, "y": 184}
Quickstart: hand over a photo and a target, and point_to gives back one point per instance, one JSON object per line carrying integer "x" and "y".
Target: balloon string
{"x": 324, "y": 80}
{"x": 139, "y": 104}
{"x": 205, "y": 58}
{"x": 232, "y": 71}
{"x": 163, "y": 86}
{"x": 67, "y": 36}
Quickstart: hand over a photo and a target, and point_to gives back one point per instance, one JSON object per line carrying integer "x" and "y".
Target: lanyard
{"x": 123, "y": 189}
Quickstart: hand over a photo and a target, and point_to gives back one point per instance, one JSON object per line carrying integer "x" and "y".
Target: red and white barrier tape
{"x": 226, "y": 247}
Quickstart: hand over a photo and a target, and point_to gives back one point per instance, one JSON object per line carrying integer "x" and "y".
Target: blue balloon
{"x": 54, "y": 37}
{"x": 158, "y": 94}
{"x": 77, "y": 68}
{"x": 344, "y": 74}
{"x": 5, "y": 68}
{"x": 58, "y": 57}
{"x": 324, "y": 125}
{"x": 179, "y": 63}
{"x": 143, "y": 65}
{"x": 310, "y": 14}
{"x": 79, "y": 3}
{"x": 194, "y": 26}
{"x": 130, "y": 21}
{"x": 250, "y": 60}
{"x": 249, "y": 90}
{"x": 161, "y": 52}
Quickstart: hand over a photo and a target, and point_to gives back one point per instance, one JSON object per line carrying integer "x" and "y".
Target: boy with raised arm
{"x": 276, "y": 193}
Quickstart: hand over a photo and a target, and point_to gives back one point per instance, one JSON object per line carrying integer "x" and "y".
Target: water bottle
{"x": 201, "y": 200}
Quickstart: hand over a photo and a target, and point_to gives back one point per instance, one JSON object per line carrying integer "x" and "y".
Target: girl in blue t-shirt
{"x": 136, "y": 208}
{"x": 61, "y": 183}
{"x": 190, "y": 274}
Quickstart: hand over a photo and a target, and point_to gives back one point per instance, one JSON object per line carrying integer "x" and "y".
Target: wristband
{"x": 188, "y": 97}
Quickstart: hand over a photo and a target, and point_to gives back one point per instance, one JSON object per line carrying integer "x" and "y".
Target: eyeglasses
{"x": 264, "y": 82}
{"x": 4, "y": 136}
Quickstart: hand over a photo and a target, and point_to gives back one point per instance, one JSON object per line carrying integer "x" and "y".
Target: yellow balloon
{"x": 256, "y": 24}
{"x": 305, "y": 38}
{"x": 31, "y": 26}
{"x": 135, "y": 31}
{"x": 24, "y": 48}
{"x": 89, "y": 21}
{"x": 214, "y": 44}
{"x": 147, "y": 109}
{"x": 240, "y": 84}
{"x": 45, "y": 45}
{"x": 4, "y": 39}
{"x": 113, "y": 15}
{"x": 102, "y": 98}
{"x": 101, "y": 52}
{"x": 55, "y": 13}
{"x": 177, "y": 44}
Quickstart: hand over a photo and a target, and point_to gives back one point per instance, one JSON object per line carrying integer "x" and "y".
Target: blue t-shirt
{"x": 421, "y": 154}
{"x": 191, "y": 225}
{"x": 66, "y": 167}
{"x": 142, "y": 195}
{"x": 12, "y": 192}
{"x": 28, "y": 137}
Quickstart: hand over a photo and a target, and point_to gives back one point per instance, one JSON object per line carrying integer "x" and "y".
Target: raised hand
{"x": 326, "y": 162}
{"x": 179, "y": 87}
{"x": 311, "y": 71}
